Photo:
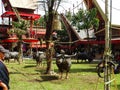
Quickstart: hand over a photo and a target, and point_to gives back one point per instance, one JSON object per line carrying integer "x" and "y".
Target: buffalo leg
{"x": 61, "y": 75}
{"x": 77, "y": 60}
{"x": 66, "y": 75}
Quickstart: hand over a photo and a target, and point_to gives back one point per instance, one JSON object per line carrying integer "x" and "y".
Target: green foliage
{"x": 41, "y": 21}
{"x": 19, "y": 28}
{"x": 85, "y": 19}
{"x": 69, "y": 15}
{"x": 96, "y": 25}
{"x": 22, "y": 24}
{"x": 62, "y": 35}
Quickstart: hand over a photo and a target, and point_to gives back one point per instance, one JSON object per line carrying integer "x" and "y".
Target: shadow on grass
{"x": 48, "y": 77}
{"x": 72, "y": 70}
{"x": 29, "y": 66}
{"x": 83, "y": 70}
{"x": 24, "y": 74}
{"x": 14, "y": 72}
{"x": 118, "y": 86}
{"x": 44, "y": 78}
{"x": 17, "y": 71}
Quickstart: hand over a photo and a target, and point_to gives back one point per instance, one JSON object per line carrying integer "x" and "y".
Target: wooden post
{"x": 107, "y": 49}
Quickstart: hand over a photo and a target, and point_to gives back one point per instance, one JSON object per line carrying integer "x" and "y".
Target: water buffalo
{"x": 84, "y": 56}
{"x": 63, "y": 63}
{"x": 11, "y": 55}
{"x": 39, "y": 56}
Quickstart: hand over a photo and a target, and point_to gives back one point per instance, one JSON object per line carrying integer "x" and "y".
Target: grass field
{"x": 82, "y": 77}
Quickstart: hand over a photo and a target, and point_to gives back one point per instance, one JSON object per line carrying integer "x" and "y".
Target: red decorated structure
{"x": 26, "y": 10}
{"x": 27, "y": 16}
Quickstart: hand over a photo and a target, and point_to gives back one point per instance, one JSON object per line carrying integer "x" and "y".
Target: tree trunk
{"x": 49, "y": 58}
{"x": 20, "y": 49}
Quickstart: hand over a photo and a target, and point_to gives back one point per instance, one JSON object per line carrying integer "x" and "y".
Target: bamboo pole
{"x": 107, "y": 49}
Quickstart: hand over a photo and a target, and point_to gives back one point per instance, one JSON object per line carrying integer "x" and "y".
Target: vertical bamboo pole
{"x": 107, "y": 48}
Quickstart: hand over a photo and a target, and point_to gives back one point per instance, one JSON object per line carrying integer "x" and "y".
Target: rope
{"x": 109, "y": 81}
{"x": 112, "y": 80}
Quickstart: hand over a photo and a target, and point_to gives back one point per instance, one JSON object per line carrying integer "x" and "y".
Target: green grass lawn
{"x": 82, "y": 77}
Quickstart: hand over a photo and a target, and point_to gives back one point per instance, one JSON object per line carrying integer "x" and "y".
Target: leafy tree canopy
{"x": 85, "y": 19}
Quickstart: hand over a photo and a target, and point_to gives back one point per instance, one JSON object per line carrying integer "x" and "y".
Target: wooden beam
{"x": 7, "y": 5}
{"x": 99, "y": 9}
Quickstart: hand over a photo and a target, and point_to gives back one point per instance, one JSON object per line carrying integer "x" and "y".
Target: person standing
{"x": 4, "y": 74}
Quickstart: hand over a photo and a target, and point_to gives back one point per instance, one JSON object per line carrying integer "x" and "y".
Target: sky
{"x": 69, "y": 5}
{"x": 115, "y": 10}
{"x": 65, "y": 5}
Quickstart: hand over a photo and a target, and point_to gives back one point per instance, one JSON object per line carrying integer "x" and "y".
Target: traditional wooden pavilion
{"x": 25, "y": 9}
{"x": 100, "y": 33}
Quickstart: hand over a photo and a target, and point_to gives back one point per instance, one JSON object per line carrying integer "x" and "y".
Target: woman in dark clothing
{"x": 4, "y": 75}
